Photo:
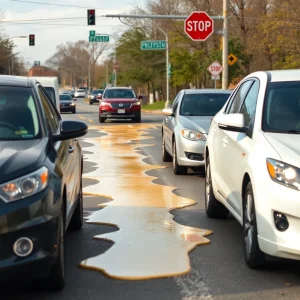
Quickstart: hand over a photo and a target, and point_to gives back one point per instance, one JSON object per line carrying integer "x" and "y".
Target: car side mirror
{"x": 71, "y": 130}
{"x": 140, "y": 97}
{"x": 168, "y": 112}
{"x": 233, "y": 122}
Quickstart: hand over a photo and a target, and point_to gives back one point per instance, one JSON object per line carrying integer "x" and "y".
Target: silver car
{"x": 186, "y": 124}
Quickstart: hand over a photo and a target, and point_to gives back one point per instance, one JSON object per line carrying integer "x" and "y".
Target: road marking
{"x": 149, "y": 243}
{"x": 192, "y": 285}
{"x": 90, "y": 120}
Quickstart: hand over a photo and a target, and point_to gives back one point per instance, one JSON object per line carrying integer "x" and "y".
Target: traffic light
{"x": 91, "y": 20}
{"x": 31, "y": 40}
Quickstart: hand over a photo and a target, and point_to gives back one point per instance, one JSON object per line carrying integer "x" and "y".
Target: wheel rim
{"x": 207, "y": 184}
{"x": 248, "y": 223}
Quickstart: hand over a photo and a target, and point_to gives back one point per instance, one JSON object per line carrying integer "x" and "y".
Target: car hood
{"x": 119, "y": 100}
{"x": 287, "y": 146}
{"x": 199, "y": 123}
{"x": 18, "y": 158}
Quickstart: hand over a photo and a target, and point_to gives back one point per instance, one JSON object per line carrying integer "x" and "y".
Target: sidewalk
{"x": 157, "y": 111}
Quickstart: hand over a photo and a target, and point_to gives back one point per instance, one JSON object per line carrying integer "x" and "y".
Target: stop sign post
{"x": 199, "y": 26}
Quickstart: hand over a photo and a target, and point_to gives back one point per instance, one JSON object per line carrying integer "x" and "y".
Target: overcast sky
{"x": 50, "y": 33}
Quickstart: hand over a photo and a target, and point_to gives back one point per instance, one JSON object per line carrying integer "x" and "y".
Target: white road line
{"x": 192, "y": 285}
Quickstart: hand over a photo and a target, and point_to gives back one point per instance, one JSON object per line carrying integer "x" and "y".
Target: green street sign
{"x": 99, "y": 38}
{"x": 153, "y": 45}
{"x": 92, "y": 32}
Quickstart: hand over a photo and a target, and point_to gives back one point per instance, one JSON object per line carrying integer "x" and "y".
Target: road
{"x": 217, "y": 270}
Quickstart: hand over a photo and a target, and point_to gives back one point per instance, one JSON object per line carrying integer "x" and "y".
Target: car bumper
{"x": 186, "y": 149}
{"x": 94, "y": 100}
{"x": 273, "y": 197}
{"x": 128, "y": 113}
{"x": 67, "y": 108}
{"x": 39, "y": 221}
{"x": 79, "y": 96}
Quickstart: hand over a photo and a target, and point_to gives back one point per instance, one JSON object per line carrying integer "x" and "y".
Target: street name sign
{"x": 153, "y": 45}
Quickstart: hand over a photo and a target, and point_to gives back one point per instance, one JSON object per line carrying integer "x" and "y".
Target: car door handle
{"x": 71, "y": 149}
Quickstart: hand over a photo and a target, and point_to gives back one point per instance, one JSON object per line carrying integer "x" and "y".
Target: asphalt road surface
{"x": 217, "y": 271}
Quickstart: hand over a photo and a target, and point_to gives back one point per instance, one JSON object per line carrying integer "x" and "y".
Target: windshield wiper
{"x": 294, "y": 131}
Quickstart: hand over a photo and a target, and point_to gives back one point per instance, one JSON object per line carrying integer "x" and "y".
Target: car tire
{"x": 254, "y": 257}
{"x": 74, "y": 111}
{"x": 138, "y": 118}
{"x": 166, "y": 157}
{"x": 56, "y": 278}
{"x": 76, "y": 222}
{"x": 91, "y": 102}
{"x": 213, "y": 207}
{"x": 101, "y": 120}
{"x": 178, "y": 170}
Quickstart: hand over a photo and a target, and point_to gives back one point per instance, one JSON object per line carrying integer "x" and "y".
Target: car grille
{"x": 120, "y": 105}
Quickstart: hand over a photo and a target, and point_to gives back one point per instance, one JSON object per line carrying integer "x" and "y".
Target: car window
{"x": 236, "y": 102}
{"x": 51, "y": 118}
{"x": 51, "y": 93}
{"x": 248, "y": 108}
{"x": 18, "y": 114}
{"x": 175, "y": 101}
{"x": 282, "y": 107}
{"x": 202, "y": 104}
{"x": 96, "y": 92}
{"x": 119, "y": 93}
{"x": 80, "y": 91}
{"x": 65, "y": 97}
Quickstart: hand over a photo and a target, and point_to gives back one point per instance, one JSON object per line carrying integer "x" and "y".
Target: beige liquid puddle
{"x": 149, "y": 243}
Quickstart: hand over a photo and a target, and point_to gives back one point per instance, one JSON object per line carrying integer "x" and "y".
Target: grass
{"x": 154, "y": 106}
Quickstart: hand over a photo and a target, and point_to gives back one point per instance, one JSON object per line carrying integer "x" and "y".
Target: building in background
{"x": 42, "y": 71}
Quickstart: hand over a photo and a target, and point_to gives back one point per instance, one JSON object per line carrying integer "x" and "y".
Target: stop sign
{"x": 199, "y": 26}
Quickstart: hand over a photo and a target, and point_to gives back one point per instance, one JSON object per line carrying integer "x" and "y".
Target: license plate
{"x": 121, "y": 111}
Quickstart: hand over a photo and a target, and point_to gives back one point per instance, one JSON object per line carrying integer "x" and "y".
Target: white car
{"x": 80, "y": 93}
{"x": 252, "y": 160}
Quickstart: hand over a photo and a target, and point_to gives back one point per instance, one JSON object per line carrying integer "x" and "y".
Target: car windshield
{"x": 50, "y": 91}
{"x": 18, "y": 114}
{"x": 282, "y": 107}
{"x": 202, "y": 104}
{"x": 80, "y": 91}
{"x": 96, "y": 92}
{"x": 119, "y": 93}
{"x": 65, "y": 97}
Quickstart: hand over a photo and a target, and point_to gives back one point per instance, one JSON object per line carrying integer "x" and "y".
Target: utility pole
{"x": 224, "y": 32}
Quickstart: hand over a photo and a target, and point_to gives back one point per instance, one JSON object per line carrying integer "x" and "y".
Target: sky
{"x": 51, "y": 33}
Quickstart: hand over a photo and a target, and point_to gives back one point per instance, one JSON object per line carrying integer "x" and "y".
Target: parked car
{"x": 186, "y": 124}
{"x": 120, "y": 103}
{"x": 50, "y": 84}
{"x": 41, "y": 165}
{"x": 80, "y": 93}
{"x": 253, "y": 164}
{"x": 95, "y": 96}
{"x": 67, "y": 103}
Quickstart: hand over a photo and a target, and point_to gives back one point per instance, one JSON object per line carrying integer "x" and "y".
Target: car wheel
{"x": 76, "y": 222}
{"x": 138, "y": 118}
{"x": 74, "y": 111}
{"x": 91, "y": 102}
{"x": 254, "y": 257}
{"x": 213, "y": 207}
{"x": 101, "y": 120}
{"x": 178, "y": 170}
{"x": 166, "y": 157}
{"x": 56, "y": 278}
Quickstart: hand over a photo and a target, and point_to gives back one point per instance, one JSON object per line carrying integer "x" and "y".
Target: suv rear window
{"x": 119, "y": 93}
{"x": 51, "y": 93}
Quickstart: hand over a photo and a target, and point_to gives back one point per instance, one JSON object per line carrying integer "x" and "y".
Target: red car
{"x": 120, "y": 103}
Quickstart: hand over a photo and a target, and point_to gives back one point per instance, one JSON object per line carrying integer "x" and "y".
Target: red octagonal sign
{"x": 199, "y": 26}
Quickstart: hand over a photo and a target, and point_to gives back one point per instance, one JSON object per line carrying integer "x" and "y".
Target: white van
{"x": 51, "y": 86}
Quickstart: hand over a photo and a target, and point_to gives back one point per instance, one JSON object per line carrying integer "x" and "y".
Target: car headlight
{"x": 136, "y": 103}
{"x": 193, "y": 135}
{"x": 284, "y": 173}
{"x": 92, "y": 97}
{"x": 104, "y": 103}
{"x": 24, "y": 186}
{"x": 73, "y": 104}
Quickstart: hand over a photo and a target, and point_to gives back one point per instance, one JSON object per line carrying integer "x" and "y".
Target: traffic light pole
{"x": 224, "y": 33}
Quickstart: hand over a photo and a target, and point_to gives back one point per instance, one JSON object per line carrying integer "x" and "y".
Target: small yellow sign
{"x": 232, "y": 59}
{"x": 21, "y": 132}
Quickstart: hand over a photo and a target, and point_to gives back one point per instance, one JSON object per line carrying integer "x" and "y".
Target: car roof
{"x": 205, "y": 91}
{"x": 15, "y": 80}
{"x": 119, "y": 87}
{"x": 278, "y": 75}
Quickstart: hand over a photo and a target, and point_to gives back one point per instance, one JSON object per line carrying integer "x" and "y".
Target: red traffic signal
{"x": 91, "y": 17}
{"x": 31, "y": 40}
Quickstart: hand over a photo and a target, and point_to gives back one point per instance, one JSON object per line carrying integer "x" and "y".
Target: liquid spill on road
{"x": 149, "y": 243}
